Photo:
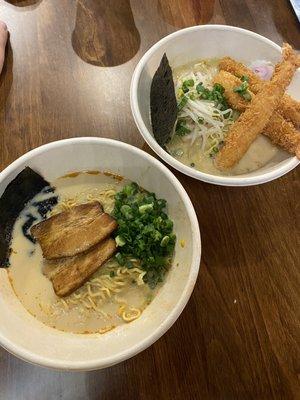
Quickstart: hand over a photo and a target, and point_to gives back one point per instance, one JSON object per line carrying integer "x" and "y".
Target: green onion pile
{"x": 145, "y": 233}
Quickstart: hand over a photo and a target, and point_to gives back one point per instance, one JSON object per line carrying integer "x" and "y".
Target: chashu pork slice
{"x": 74, "y": 231}
{"x": 72, "y": 272}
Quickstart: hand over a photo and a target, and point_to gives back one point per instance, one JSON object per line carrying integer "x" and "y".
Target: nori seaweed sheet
{"x": 19, "y": 191}
{"x": 163, "y": 102}
{"x": 42, "y": 207}
{"x": 26, "y": 227}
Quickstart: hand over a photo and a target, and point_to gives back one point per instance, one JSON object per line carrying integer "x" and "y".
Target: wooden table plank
{"x": 67, "y": 74}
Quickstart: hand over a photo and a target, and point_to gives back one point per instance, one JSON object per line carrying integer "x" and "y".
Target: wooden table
{"x": 67, "y": 73}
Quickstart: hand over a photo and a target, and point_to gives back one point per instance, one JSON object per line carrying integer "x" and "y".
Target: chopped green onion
{"x": 182, "y": 103}
{"x": 145, "y": 208}
{"x": 126, "y": 211}
{"x": 216, "y": 95}
{"x": 120, "y": 241}
{"x": 200, "y": 88}
{"x": 214, "y": 151}
{"x": 164, "y": 241}
{"x": 242, "y": 88}
{"x": 120, "y": 259}
{"x": 180, "y": 93}
{"x": 144, "y": 233}
{"x": 202, "y": 91}
{"x": 181, "y": 129}
{"x": 187, "y": 84}
{"x": 219, "y": 88}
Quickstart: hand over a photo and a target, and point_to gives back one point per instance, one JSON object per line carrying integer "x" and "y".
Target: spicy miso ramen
{"x": 89, "y": 252}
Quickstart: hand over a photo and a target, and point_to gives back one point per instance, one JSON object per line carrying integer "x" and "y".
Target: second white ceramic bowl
{"x": 201, "y": 42}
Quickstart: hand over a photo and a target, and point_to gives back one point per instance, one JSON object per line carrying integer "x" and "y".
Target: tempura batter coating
{"x": 283, "y": 133}
{"x": 238, "y": 69}
{"x": 253, "y": 121}
{"x": 280, "y": 131}
{"x": 289, "y": 107}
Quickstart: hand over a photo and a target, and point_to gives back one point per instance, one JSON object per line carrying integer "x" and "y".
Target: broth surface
{"x": 113, "y": 296}
{"x": 259, "y": 154}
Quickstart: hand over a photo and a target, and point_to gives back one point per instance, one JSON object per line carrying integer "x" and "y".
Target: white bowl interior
{"x": 201, "y": 42}
{"x": 25, "y": 336}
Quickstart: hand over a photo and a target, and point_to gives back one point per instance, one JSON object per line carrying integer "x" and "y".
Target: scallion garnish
{"x": 182, "y": 103}
{"x": 242, "y": 90}
{"x": 187, "y": 84}
{"x": 181, "y": 129}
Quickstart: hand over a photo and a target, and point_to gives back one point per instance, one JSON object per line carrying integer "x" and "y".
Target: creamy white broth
{"x": 261, "y": 152}
{"x": 27, "y": 271}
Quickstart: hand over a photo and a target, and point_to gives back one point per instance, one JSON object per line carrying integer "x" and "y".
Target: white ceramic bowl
{"x": 27, "y": 338}
{"x": 207, "y": 41}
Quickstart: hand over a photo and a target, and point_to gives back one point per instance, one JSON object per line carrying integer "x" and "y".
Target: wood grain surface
{"x": 67, "y": 73}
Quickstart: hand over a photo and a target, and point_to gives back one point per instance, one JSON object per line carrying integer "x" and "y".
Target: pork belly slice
{"x": 72, "y": 272}
{"x": 74, "y": 231}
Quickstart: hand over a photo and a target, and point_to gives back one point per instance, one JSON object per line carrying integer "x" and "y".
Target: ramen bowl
{"x": 27, "y": 338}
{"x": 205, "y": 42}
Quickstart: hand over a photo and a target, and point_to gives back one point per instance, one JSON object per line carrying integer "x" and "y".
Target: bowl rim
{"x": 238, "y": 180}
{"x": 53, "y": 363}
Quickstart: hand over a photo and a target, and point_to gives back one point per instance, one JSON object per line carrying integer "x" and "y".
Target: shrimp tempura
{"x": 253, "y": 121}
{"x": 280, "y": 131}
{"x": 289, "y": 107}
